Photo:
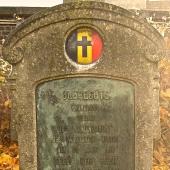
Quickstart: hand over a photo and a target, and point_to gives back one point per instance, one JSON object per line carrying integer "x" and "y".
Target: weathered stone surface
{"x": 131, "y": 53}
{"x": 128, "y": 4}
{"x": 106, "y": 1}
{"x": 88, "y": 124}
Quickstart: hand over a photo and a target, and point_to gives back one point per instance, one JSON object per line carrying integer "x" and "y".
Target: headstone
{"x": 127, "y": 4}
{"x": 87, "y": 86}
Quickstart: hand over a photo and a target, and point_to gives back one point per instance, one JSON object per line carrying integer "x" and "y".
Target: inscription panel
{"x": 85, "y": 124}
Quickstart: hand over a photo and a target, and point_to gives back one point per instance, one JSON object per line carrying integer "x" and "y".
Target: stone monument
{"x": 127, "y": 4}
{"x": 86, "y": 88}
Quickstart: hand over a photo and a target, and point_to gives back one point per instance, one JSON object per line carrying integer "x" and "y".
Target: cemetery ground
{"x": 9, "y": 155}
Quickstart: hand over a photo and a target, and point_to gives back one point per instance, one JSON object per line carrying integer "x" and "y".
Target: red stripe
{"x": 97, "y": 46}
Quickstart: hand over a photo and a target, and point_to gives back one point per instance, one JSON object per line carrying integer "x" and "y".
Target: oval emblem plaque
{"x": 84, "y": 46}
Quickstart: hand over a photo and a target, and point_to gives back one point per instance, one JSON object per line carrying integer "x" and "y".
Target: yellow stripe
{"x": 81, "y": 58}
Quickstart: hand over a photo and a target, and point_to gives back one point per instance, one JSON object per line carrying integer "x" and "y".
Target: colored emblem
{"x": 84, "y": 46}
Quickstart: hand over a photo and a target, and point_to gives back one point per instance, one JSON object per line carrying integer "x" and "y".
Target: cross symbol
{"x": 84, "y": 43}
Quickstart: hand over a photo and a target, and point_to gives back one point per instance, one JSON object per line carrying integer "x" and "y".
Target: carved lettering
{"x": 80, "y": 139}
{"x": 85, "y": 126}
{"x": 87, "y": 161}
{"x": 86, "y": 95}
{"x": 63, "y": 160}
{"x": 110, "y": 139}
{"x": 93, "y": 128}
{"x": 112, "y": 149}
{"x": 61, "y": 149}
{"x": 84, "y": 108}
{"x": 109, "y": 160}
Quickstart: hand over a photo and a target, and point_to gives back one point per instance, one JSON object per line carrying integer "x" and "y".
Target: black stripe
{"x": 71, "y": 46}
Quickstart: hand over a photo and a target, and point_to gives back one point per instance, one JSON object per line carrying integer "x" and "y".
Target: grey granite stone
{"x": 132, "y": 49}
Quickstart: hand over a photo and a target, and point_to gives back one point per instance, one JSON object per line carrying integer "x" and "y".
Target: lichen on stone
{"x": 5, "y": 69}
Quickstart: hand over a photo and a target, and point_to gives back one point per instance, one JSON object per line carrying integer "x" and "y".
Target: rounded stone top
{"x": 79, "y": 11}
{"x": 106, "y": 1}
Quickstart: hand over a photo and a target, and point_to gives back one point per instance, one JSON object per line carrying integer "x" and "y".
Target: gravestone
{"x": 87, "y": 86}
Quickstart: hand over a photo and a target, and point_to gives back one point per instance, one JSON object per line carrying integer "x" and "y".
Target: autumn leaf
{"x": 8, "y": 103}
{"x": 9, "y": 158}
{"x": 2, "y": 79}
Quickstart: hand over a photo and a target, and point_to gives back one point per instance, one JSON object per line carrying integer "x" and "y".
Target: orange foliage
{"x": 161, "y": 159}
{"x": 9, "y": 158}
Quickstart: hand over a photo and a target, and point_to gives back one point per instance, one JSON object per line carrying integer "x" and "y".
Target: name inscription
{"x": 86, "y": 95}
{"x": 85, "y": 124}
